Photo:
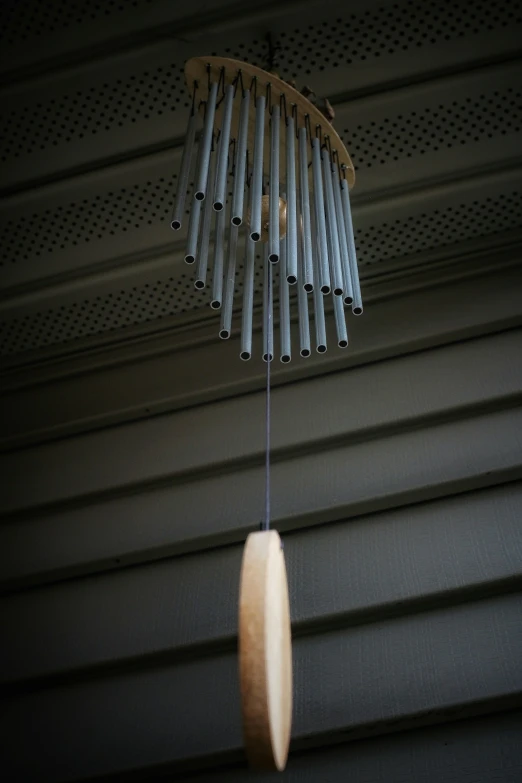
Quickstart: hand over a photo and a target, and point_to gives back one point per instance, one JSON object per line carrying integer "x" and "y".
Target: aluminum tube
{"x": 217, "y": 277}
{"x": 273, "y": 226}
{"x": 268, "y": 304}
{"x": 284, "y": 307}
{"x": 205, "y": 144}
{"x": 336, "y": 272}
{"x": 291, "y": 205}
{"x": 257, "y": 173}
{"x": 230, "y": 279}
{"x": 184, "y": 171}
{"x": 320, "y": 326}
{"x": 320, "y": 220}
{"x": 194, "y": 221}
{"x": 220, "y": 192}
{"x": 357, "y": 306}
{"x": 193, "y": 231}
{"x": 248, "y": 301}
{"x": 201, "y": 271}
{"x": 302, "y": 303}
{"x": 345, "y": 261}
{"x": 308, "y": 272}
{"x": 340, "y": 322}
{"x": 240, "y": 162}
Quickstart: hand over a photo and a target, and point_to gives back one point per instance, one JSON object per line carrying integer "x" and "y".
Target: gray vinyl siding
{"x": 400, "y": 504}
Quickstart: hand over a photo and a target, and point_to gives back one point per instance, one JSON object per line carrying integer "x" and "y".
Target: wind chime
{"x": 291, "y": 177}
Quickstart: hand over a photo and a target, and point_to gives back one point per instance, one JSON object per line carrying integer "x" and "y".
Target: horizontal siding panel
{"x": 41, "y": 39}
{"x": 308, "y": 489}
{"x": 338, "y": 574}
{"x": 446, "y": 659}
{"x": 480, "y": 750}
{"x": 165, "y": 373}
{"x": 339, "y": 407}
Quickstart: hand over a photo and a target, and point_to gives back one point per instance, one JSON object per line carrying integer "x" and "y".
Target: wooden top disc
{"x": 265, "y": 652}
{"x": 199, "y": 69}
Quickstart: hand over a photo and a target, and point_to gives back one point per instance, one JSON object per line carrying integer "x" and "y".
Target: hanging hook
{"x": 273, "y": 50}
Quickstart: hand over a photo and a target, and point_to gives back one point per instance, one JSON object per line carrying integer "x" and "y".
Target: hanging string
{"x": 194, "y": 90}
{"x": 282, "y": 107}
{"x": 328, "y": 145}
{"x": 253, "y": 88}
{"x": 269, "y": 97}
{"x": 238, "y": 81}
{"x": 265, "y": 525}
{"x": 221, "y": 84}
{"x": 296, "y": 120}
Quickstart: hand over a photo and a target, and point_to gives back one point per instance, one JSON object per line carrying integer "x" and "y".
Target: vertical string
{"x": 265, "y": 525}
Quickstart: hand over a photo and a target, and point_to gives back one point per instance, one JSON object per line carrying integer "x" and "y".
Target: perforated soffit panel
{"x": 427, "y": 98}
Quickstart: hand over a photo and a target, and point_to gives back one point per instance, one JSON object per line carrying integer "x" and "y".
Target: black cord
{"x": 296, "y": 119}
{"x": 266, "y": 524}
{"x": 194, "y": 90}
{"x": 253, "y": 84}
{"x": 282, "y": 103}
{"x": 269, "y": 97}
{"x": 221, "y": 83}
{"x": 238, "y": 80}
{"x": 328, "y": 145}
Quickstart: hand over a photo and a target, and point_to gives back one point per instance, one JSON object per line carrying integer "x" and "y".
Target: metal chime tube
{"x": 217, "y": 277}
{"x": 186, "y": 160}
{"x": 307, "y": 271}
{"x": 302, "y": 305}
{"x": 194, "y": 220}
{"x": 284, "y": 306}
{"x": 230, "y": 279}
{"x": 357, "y": 306}
{"x": 320, "y": 326}
{"x": 193, "y": 230}
{"x": 273, "y": 226}
{"x": 320, "y": 221}
{"x": 224, "y": 142}
{"x": 248, "y": 301}
{"x": 201, "y": 270}
{"x": 340, "y": 322}
{"x": 291, "y": 205}
{"x": 316, "y": 246}
{"x": 334, "y": 254}
{"x": 240, "y": 162}
{"x": 206, "y": 144}
{"x": 345, "y": 261}
{"x": 268, "y": 320}
{"x": 257, "y": 173}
